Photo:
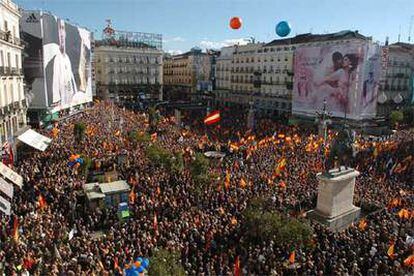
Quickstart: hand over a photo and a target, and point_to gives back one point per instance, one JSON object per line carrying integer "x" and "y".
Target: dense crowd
{"x": 205, "y": 228}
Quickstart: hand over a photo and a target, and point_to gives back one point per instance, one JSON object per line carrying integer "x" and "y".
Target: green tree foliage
{"x": 263, "y": 224}
{"x": 396, "y": 116}
{"x": 159, "y": 156}
{"x": 79, "y": 131}
{"x": 87, "y": 164}
{"x": 199, "y": 167}
{"x": 164, "y": 262}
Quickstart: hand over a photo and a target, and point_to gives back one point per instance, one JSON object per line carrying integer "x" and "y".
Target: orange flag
{"x": 16, "y": 228}
{"x": 233, "y": 221}
{"x": 237, "y": 271}
{"x": 132, "y": 196}
{"x": 292, "y": 257}
{"x": 409, "y": 261}
{"x": 404, "y": 213}
{"x": 243, "y": 183}
{"x": 227, "y": 181}
{"x": 362, "y": 224}
{"x": 390, "y": 251}
{"x": 42, "y": 202}
{"x": 155, "y": 223}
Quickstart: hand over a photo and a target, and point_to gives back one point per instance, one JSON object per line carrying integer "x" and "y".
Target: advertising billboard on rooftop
{"x": 58, "y": 62}
{"x": 345, "y": 75}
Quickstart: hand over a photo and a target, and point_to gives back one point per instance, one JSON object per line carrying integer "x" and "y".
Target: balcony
{"x": 7, "y": 36}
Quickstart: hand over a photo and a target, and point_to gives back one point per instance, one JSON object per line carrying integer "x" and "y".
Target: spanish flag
{"x": 362, "y": 224}
{"x": 155, "y": 224}
{"x": 42, "y": 202}
{"x": 16, "y": 228}
{"x": 409, "y": 261}
{"x": 227, "y": 181}
{"x": 243, "y": 183}
{"x": 292, "y": 257}
{"x": 212, "y": 118}
{"x": 154, "y": 137}
{"x": 282, "y": 184}
{"x": 390, "y": 251}
{"x": 237, "y": 271}
{"x": 132, "y": 196}
{"x": 404, "y": 214}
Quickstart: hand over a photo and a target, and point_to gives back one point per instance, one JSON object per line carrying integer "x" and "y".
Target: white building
{"x": 262, "y": 74}
{"x": 397, "y": 87}
{"x": 13, "y": 104}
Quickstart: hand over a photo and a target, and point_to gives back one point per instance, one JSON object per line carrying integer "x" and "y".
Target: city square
{"x": 121, "y": 156}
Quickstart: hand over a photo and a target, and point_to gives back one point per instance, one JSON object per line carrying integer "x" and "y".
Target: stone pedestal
{"x": 335, "y": 207}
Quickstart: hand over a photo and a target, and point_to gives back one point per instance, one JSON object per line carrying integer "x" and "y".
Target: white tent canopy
{"x": 34, "y": 139}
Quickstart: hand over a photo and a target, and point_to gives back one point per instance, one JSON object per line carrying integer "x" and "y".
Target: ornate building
{"x": 128, "y": 65}
{"x": 13, "y": 105}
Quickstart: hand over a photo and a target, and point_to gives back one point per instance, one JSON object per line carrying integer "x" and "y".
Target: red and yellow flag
{"x": 362, "y": 224}
{"x": 42, "y": 202}
{"x": 404, "y": 214}
{"x": 390, "y": 251}
{"x": 132, "y": 196}
{"x": 409, "y": 261}
{"x": 243, "y": 183}
{"x": 237, "y": 270}
{"x": 292, "y": 257}
{"x": 16, "y": 228}
{"x": 227, "y": 181}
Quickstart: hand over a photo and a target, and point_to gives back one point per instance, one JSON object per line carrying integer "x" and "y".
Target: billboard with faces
{"x": 60, "y": 57}
{"x": 345, "y": 75}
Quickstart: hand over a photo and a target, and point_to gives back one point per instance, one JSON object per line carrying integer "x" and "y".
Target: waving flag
{"x": 212, "y": 118}
{"x": 237, "y": 270}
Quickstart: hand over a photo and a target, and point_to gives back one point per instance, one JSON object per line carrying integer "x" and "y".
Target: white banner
{"x": 11, "y": 175}
{"x": 34, "y": 139}
{"x": 6, "y": 188}
{"x": 4, "y": 206}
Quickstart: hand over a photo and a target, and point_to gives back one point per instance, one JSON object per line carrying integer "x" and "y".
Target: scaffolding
{"x": 113, "y": 37}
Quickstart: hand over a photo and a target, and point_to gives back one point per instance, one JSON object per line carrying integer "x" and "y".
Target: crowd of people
{"x": 52, "y": 233}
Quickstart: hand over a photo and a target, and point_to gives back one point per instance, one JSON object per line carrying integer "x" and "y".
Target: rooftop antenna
{"x": 410, "y": 27}
{"x": 399, "y": 33}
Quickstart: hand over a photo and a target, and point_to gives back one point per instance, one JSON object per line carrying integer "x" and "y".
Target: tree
{"x": 263, "y": 224}
{"x": 396, "y": 116}
{"x": 164, "y": 262}
{"x": 79, "y": 131}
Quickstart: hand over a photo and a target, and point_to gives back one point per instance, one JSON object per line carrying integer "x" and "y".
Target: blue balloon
{"x": 140, "y": 269}
{"x": 283, "y": 28}
{"x": 139, "y": 259}
{"x": 70, "y": 164}
{"x": 145, "y": 263}
{"x": 130, "y": 272}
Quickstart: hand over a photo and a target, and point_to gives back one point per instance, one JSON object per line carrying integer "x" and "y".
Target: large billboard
{"x": 346, "y": 76}
{"x": 58, "y": 62}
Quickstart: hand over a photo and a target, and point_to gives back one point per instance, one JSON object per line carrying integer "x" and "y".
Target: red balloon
{"x": 235, "y": 23}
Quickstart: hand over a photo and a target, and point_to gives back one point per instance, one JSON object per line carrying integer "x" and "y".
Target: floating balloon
{"x": 282, "y": 28}
{"x": 235, "y": 23}
{"x": 145, "y": 263}
{"x": 140, "y": 269}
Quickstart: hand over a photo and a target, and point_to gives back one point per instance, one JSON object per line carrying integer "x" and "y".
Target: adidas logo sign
{"x": 32, "y": 19}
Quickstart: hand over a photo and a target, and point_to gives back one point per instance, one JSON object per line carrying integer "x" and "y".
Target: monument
{"x": 335, "y": 207}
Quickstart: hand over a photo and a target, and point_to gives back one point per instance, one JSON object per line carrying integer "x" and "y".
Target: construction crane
{"x": 410, "y": 27}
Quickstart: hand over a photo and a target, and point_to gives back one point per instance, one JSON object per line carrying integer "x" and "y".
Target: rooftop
{"x": 308, "y": 37}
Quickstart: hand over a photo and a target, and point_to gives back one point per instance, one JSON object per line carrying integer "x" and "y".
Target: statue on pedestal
{"x": 341, "y": 150}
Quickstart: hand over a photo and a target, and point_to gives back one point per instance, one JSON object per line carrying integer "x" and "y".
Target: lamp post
{"x": 323, "y": 119}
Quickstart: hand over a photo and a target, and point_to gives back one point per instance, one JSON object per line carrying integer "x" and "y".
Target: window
{"x": 17, "y": 61}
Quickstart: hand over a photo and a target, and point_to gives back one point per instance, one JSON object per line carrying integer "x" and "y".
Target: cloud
{"x": 174, "y": 39}
{"x": 174, "y": 52}
{"x": 219, "y": 44}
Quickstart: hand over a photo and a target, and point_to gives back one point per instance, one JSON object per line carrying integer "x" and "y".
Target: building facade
{"x": 397, "y": 84}
{"x": 13, "y": 105}
{"x": 125, "y": 73}
{"x": 185, "y": 74}
{"x": 261, "y": 74}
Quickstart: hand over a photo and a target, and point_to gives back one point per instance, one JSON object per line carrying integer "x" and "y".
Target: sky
{"x": 205, "y": 23}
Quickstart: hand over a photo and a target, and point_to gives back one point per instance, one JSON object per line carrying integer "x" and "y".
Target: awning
{"x": 34, "y": 139}
{"x": 11, "y": 175}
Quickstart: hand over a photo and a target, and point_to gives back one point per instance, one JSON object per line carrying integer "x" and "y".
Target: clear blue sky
{"x": 204, "y": 23}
